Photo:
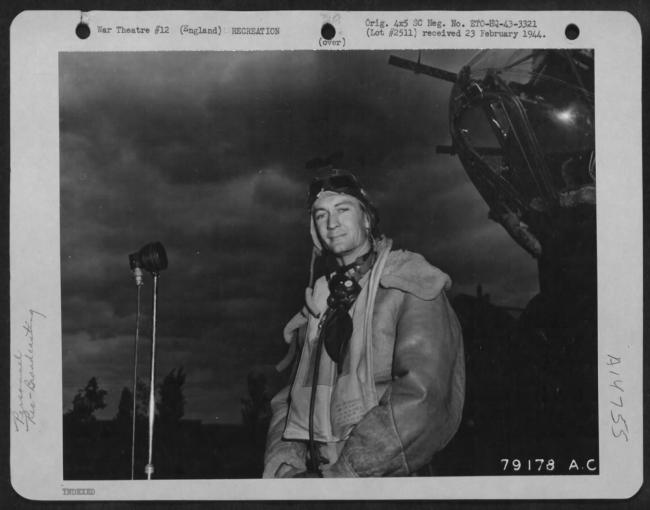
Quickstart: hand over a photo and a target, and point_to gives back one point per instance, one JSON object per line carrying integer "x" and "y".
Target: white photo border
{"x": 37, "y": 37}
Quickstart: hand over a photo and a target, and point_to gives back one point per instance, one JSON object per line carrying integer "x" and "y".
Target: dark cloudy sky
{"x": 205, "y": 152}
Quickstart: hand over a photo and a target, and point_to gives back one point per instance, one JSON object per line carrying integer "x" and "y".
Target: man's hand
{"x": 290, "y": 332}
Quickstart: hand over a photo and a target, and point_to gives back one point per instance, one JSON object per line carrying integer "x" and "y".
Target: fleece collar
{"x": 410, "y": 272}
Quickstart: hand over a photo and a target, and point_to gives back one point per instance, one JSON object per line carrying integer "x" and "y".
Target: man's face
{"x": 342, "y": 225}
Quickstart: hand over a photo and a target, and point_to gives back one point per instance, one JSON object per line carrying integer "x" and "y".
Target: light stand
{"x": 152, "y": 258}
{"x": 152, "y": 397}
{"x": 137, "y": 272}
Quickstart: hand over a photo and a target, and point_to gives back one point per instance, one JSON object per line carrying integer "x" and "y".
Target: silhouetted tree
{"x": 87, "y": 401}
{"x": 171, "y": 407}
{"x": 125, "y": 407}
{"x": 263, "y": 383}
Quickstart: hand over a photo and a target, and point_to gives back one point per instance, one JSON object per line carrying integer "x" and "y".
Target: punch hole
{"x": 572, "y": 31}
{"x": 82, "y": 31}
{"x": 328, "y": 31}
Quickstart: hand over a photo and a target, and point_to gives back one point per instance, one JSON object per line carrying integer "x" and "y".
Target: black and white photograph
{"x": 462, "y": 183}
{"x": 365, "y": 248}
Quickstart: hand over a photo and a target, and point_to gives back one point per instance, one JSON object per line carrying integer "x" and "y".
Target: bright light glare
{"x": 567, "y": 115}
